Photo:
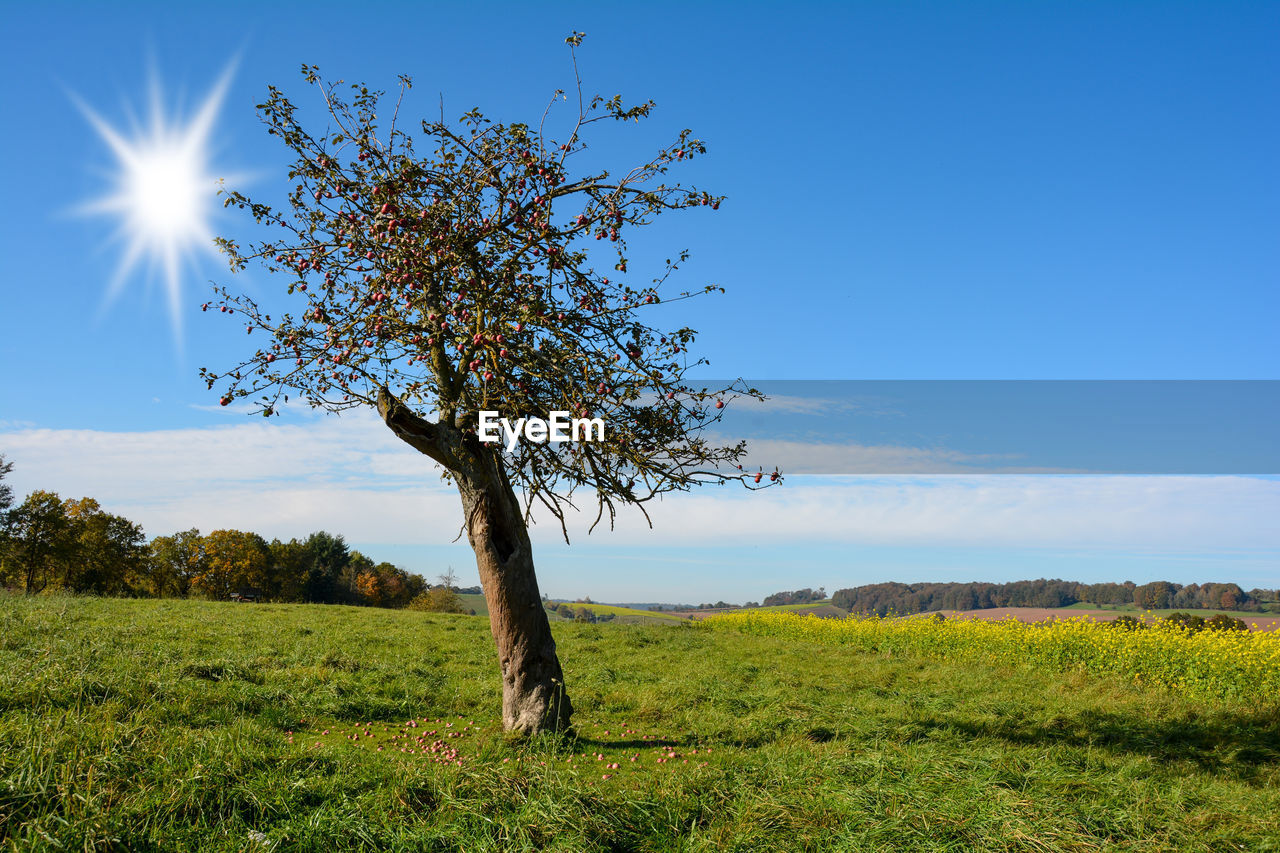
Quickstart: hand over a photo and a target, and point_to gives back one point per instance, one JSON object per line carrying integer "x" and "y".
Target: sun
{"x": 164, "y": 191}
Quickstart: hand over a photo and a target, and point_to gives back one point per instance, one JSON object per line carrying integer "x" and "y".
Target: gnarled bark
{"x": 533, "y": 692}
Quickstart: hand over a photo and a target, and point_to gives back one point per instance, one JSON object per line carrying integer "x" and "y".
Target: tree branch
{"x": 420, "y": 434}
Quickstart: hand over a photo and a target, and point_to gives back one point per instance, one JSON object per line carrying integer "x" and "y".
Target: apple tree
{"x": 436, "y": 272}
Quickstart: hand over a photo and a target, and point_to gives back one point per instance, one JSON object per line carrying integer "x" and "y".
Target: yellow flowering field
{"x": 1243, "y": 664}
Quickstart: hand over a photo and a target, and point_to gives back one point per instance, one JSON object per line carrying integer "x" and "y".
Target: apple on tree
{"x": 441, "y": 273}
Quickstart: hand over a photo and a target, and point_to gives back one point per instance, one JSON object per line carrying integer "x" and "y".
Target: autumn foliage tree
{"x": 74, "y": 546}
{"x": 110, "y": 551}
{"x": 41, "y": 542}
{"x": 468, "y": 267}
{"x": 385, "y": 585}
{"x": 232, "y": 561}
{"x": 175, "y": 560}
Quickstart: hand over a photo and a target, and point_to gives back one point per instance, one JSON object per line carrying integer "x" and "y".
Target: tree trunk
{"x": 533, "y": 692}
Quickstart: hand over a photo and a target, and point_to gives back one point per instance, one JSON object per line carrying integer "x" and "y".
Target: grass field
{"x": 177, "y": 725}
{"x": 1242, "y": 664}
{"x": 628, "y": 615}
{"x": 474, "y": 601}
{"x": 818, "y": 608}
{"x": 622, "y": 615}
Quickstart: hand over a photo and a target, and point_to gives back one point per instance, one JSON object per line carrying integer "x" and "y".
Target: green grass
{"x": 622, "y": 615}
{"x": 474, "y": 601}
{"x": 628, "y": 615}
{"x": 162, "y": 725}
{"x": 821, "y": 608}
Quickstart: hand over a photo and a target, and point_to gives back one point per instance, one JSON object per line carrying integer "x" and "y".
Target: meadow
{"x": 623, "y": 615}
{"x": 167, "y": 724}
{"x": 1158, "y": 653}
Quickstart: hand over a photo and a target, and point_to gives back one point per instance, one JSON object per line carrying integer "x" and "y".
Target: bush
{"x": 438, "y": 599}
{"x": 1223, "y": 622}
{"x": 1188, "y": 621}
{"x": 1128, "y": 623}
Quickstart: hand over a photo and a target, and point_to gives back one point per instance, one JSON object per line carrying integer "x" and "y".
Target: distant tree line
{"x": 882, "y": 598}
{"x": 799, "y": 596}
{"x": 48, "y": 543}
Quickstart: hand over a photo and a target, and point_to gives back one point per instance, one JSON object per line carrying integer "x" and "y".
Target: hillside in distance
{"x": 884, "y": 598}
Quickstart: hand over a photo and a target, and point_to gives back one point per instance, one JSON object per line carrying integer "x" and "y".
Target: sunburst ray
{"x": 164, "y": 191}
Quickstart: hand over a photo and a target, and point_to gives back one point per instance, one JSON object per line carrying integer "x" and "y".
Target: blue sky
{"x": 915, "y": 191}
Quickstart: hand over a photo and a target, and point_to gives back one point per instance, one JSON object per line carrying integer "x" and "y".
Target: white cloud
{"x": 350, "y": 475}
{"x": 138, "y": 464}
{"x": 1228, "y": 513}
{"x": 347, "y": 474}
{"x": 811, "y": 405}
{"x": 816, "y": 457}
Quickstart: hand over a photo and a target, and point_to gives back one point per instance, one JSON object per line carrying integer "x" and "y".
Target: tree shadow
{"x": 1244, "y": 746}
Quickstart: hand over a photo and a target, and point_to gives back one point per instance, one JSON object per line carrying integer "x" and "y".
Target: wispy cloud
{"x": 821, "y": 457}
{"x": 133, "y": 465}
{"x": 794, "y": 404}
{"x": 350, "y": 475}
{"x": 1230, "y": 513}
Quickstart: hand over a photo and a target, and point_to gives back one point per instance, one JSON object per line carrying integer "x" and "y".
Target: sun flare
{"x": 164, "y": 191}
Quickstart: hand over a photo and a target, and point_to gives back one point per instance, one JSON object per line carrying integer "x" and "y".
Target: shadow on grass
{"x": 1240, "y": 745}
